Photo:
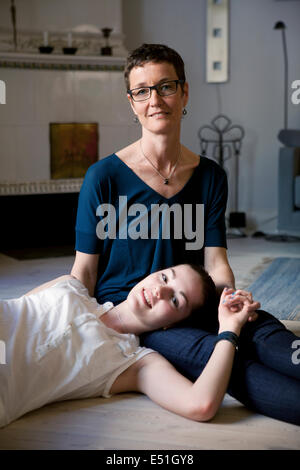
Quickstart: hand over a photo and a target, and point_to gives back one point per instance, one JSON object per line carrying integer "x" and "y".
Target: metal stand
{"x": 226, "y": 140}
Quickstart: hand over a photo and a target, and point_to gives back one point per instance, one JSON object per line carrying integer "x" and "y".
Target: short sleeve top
{"x": 137, "y": 231}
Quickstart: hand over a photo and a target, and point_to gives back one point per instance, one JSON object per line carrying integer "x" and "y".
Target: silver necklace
{"x": 166, "y": 179}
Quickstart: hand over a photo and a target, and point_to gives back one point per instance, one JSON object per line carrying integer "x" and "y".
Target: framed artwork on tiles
{"x": 73, "y": 148}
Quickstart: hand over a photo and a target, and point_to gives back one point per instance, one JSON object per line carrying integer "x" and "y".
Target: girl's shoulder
{"x": 129, "y": 380}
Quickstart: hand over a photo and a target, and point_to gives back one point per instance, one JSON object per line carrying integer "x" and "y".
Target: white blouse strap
{"x": 105, "y": 307}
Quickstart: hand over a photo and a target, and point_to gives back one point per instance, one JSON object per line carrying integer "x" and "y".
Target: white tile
{"x": 112, "y": 139}
{"x": 121, "y": 112}
{"x": 92, "y": 95}
{"x": 7, "y": 153}
{"x": 32, "y": 153}
{"x": 54, "y": 96}
{"x": 61, "y": 96}
{"x": 20, "y": 90}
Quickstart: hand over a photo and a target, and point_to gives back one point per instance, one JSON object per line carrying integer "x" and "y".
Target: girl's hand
{"x": 235, "y": 301}
{"x": 235, "y": 309}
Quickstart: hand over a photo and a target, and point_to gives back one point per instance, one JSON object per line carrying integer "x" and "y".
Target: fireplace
{"x": 41, "y": 171}
{"x": 43, "y": 213}
{"x": 31, "y": 221}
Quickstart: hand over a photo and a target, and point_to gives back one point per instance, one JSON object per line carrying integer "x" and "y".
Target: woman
{"x": 61, "y": 344}
{"x": 156, "y": 204}
{"x": 165, "y": 204}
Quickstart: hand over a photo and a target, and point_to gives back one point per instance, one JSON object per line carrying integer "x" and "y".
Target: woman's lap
{"x": 265, "y": 390}
{"x": 269, "y": 342}
{"x": 187, "y": 348}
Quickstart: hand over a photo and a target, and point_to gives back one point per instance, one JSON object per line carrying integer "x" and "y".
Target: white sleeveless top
{"x": 57, "y": 348}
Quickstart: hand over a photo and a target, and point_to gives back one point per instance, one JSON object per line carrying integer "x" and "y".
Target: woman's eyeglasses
{"x": 163, "y": 89}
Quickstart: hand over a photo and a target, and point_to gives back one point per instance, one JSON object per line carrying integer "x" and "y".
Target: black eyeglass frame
{"x": 155, "y": 87}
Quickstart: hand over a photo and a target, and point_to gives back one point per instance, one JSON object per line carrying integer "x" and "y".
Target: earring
{"x": 135, "y": 120}
{"x": 184, "y": 112}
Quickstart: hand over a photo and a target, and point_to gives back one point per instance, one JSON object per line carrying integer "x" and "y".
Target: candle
{"x": 69, "y": 39}
{"x": 45, "y": 38}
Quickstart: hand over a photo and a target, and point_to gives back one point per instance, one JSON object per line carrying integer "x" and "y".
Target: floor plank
{"x": 132, "y": 421}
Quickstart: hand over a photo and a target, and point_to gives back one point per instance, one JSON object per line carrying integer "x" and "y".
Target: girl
{"x": 61, "y": 344}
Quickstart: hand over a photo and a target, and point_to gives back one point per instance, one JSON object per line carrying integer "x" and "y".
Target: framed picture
{"x": 73, "y": 148}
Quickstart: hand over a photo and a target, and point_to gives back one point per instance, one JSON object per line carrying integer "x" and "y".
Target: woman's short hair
{"x": 153, "y": 53}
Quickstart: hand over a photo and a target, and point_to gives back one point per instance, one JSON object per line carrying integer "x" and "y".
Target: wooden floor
{"x": 132, "y": 421}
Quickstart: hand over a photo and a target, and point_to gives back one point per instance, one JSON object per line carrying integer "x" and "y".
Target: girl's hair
{"x": 154, "y": 53}
{"x": 209, "y": 288}
{"x": 205, "y": 315}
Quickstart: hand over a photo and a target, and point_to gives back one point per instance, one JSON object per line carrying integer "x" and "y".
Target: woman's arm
{"x": 217, "y": 265}
{"x": 85, "y": 269}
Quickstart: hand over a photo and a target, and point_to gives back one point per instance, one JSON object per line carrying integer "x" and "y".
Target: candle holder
{"x": 107, "y": 49}
{"x": 46, "y": 49}
{"x": 70, "y": 50}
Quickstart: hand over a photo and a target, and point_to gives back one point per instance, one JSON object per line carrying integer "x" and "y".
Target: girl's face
{"x": 158, "y": 113}
{"x": 166, "y": 297}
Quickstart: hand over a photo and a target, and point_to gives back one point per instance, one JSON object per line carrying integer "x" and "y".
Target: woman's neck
{"x": 163, "y": 150}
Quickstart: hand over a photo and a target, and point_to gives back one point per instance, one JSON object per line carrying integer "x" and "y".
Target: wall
{"x": 34, "y": 98}
{"x": 47, "y": 15}
{"x": 253, "y": 97}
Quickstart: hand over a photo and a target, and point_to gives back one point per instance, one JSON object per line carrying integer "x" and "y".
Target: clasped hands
{"x": 237, "y": 307}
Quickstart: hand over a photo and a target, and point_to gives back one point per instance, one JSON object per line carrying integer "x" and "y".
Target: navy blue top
{"x": 137, "y": 231}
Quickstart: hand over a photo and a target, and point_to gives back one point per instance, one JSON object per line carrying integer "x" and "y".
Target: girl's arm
{"x": 200, "y": 401}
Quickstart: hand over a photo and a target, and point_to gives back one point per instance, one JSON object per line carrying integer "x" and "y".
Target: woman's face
{"x": 158, "y": 113}
{"x": 166, "y": 297}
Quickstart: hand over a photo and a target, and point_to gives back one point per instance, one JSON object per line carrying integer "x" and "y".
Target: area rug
{"x": 278, "y": 288}
{"x": 251, "y": 275}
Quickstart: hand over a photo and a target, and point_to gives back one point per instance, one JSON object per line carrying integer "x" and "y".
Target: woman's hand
{"x": 235, "y": 309}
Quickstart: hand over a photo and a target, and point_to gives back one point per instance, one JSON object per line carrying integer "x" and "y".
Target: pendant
{"x": 166, "y": 181}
